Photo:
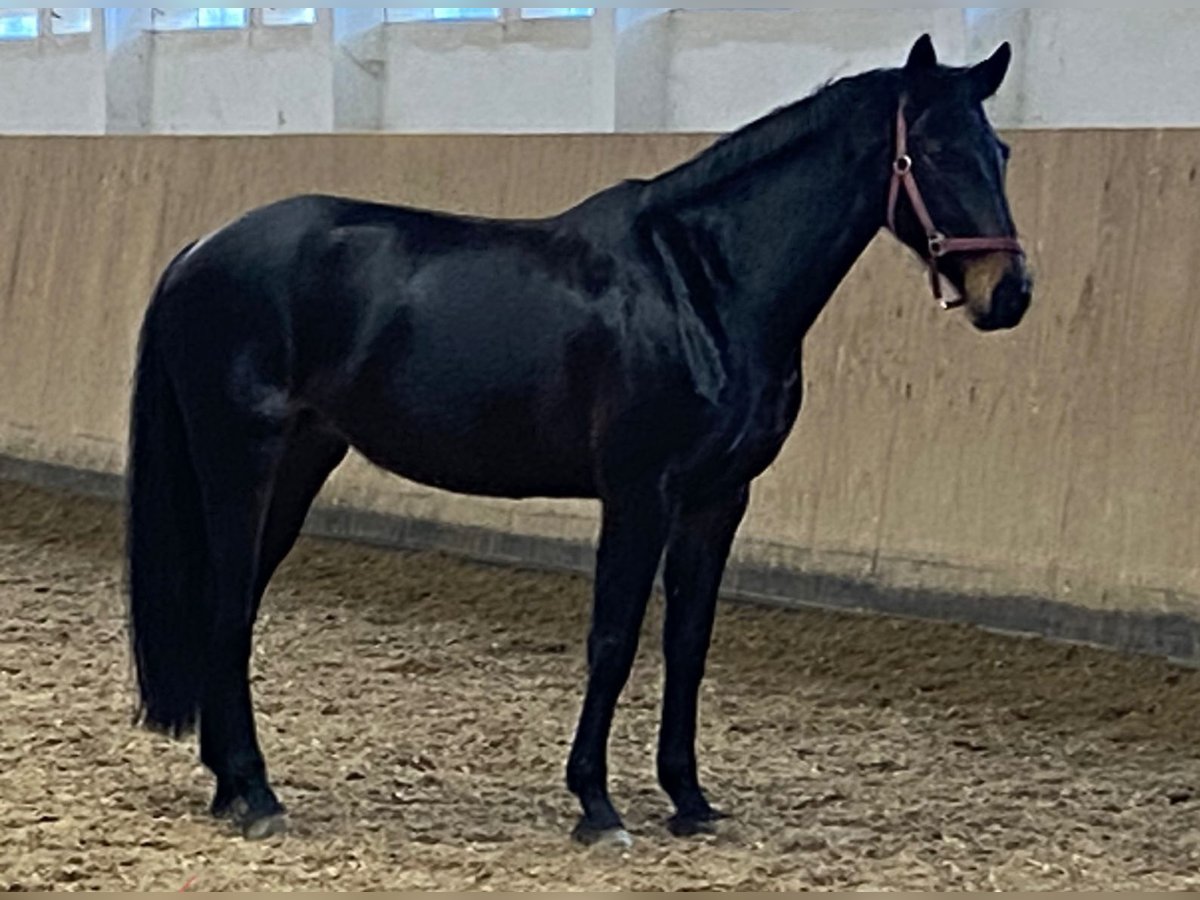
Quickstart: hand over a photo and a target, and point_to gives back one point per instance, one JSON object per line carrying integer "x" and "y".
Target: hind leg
{"x": 237, "y": 461}
{"x": 311, "y": 456}
{"x": 228, "y": 743}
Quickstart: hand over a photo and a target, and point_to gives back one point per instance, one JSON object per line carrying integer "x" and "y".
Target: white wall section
{"x": 624, "y": 69}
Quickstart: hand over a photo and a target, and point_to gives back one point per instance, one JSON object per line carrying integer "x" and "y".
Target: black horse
{"x": 641, "y": 348}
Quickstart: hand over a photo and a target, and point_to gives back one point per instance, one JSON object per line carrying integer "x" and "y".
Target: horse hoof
{"x": 685, "y": 828}
{"x": 614, "y": 838}
{"x": 682, "y": 826}
{"x": 233, "y": 810}
{"x": 265, "y": 827}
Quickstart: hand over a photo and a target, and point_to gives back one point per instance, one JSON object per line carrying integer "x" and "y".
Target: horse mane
{"x": 778, "y": 132}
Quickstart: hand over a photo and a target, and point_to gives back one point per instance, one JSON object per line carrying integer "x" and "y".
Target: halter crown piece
{"x": 938, "y": 244}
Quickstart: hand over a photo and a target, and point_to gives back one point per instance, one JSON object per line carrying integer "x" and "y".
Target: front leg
{"x": 632, "y": 535}
{"x": 698, "y": 546}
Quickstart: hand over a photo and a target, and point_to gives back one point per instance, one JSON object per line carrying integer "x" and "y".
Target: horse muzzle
{"x": 1004, "y": 304}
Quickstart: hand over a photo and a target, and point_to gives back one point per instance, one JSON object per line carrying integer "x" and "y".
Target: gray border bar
{"x": 1176, "y": 637}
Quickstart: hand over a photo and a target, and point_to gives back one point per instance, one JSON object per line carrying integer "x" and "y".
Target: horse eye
{"x": 945, "y": 157}
{"x": 938, "y": 151}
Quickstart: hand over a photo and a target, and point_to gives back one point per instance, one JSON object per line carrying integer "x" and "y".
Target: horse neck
{"x": 776, "y": 240}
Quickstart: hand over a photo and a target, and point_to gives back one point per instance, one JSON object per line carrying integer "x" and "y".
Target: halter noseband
{"x": 939, "y": 244}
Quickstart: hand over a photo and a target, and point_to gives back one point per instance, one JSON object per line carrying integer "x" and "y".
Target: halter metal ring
{"x": 903, "y": 164}
{"x": 937, "y": 245}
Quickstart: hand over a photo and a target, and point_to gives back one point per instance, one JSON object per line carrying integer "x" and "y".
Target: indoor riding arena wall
{"x": 1045, "y": 480}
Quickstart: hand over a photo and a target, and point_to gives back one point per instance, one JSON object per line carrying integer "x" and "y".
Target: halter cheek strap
{"x": 938, "y": 244}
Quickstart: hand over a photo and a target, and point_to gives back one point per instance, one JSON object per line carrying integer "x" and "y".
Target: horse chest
{"x": 752, "y": 433}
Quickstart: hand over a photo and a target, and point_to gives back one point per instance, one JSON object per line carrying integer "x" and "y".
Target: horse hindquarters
{"x": 213, "y": 426}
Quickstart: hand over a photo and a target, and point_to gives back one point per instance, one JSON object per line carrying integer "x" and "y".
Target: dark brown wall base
{"x": 1175, "y": 637}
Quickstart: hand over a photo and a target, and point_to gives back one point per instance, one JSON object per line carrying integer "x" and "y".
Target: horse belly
{"x": 473, "y": 442}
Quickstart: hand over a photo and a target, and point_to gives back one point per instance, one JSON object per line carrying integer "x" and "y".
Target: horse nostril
{"x": 1010, "y": 300}
{"x": 1017, "y": 298}
{"x": 1025, "y": 295}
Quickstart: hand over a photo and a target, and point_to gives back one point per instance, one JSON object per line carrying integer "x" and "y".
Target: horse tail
{"x": 169, "y": 611}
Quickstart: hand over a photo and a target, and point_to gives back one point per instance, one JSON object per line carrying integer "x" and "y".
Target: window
{"x": 18, "y": 24}
{"x": 440, "y": 13}
{"x": 70, "y": 20}
{"x": 204, "y": 17}
{"x": 278, "y": 15}
{"x": 229, "y": 17}
{"x": 489, "y": 13}
{"x": 221, "y": 17}
{"x": 571, "y": 13}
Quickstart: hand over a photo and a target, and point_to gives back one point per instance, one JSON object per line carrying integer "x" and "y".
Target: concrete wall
{"x": 53, "y": 85}
{"x": 712, "y": 70}
{"x": 628, "y": 69}
{"x": 1096, "y": 68}
{"x": 1024, "y": 478}
{"x": 693, "y": 70}
{"x": 256, "y": 80}
{"x": 519, "y": 76}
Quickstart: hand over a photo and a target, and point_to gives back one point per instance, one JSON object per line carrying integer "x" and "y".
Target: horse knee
{"x": 609, "y": 651}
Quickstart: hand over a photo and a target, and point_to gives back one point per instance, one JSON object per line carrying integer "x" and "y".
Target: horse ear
{"x": 987, "y": 77}
{"x": 922, "y": 56}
